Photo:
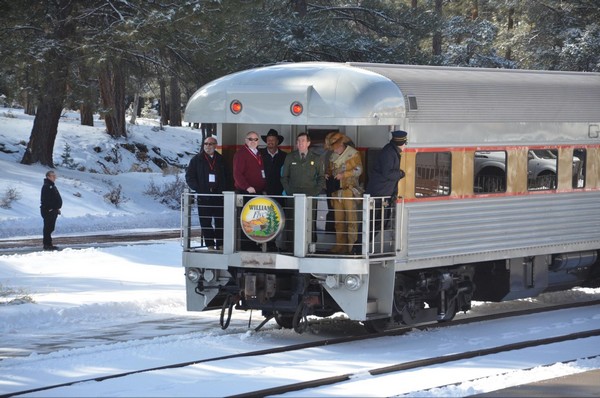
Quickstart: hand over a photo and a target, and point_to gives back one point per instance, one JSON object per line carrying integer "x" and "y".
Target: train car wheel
{"x": 286, "y": 321}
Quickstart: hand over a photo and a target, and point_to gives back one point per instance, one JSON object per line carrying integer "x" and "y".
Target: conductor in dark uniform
{"x": 51, "y": 203}
{"x": 386, "y": 173}
{"x": 207, "y": 174}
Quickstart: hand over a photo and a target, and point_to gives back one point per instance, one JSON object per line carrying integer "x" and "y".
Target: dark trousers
{"x": 379, "y": 216}
{"x": 290, "y": 221}
{"x": 49, "y": 224}
{"x": 383, "y": 212}
{"x": 210, "y": 210}
{"x": 245, "y": 243}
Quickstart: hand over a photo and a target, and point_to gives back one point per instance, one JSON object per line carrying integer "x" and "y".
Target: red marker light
{"x": 296, "y": 108}
{"x": 235, "y": 107}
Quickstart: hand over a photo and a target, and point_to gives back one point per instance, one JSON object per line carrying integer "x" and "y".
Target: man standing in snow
{"x": 207, "y": 174}
{"x": 51, "y": 203}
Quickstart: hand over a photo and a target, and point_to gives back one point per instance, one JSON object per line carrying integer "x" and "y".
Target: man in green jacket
{"x": 303, "y": 172}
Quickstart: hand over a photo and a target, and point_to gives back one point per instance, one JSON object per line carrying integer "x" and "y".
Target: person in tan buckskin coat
{"x": 345, "y": 167}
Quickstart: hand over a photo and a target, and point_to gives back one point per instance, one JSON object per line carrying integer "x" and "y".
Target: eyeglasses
{"x": 210, "y": 143}
{"x": 252, "y": 139}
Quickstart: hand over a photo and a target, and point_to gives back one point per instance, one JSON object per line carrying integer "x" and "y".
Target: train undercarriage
{"x": 290, "y": 297}
{"x": 419, "y": 297}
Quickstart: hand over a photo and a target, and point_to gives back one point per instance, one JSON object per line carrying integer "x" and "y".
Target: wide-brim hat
{"x": 333, "y": 138}
{"x": 272, "y": 133}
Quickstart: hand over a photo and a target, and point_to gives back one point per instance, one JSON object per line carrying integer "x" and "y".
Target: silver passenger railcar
{"x": 500, "y": 199}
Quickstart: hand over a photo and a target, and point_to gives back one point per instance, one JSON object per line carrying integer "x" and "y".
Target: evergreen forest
{"x": 109, "y": 56}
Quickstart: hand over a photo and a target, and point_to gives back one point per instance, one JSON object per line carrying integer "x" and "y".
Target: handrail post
{"x": 366, "y": 217}
{"x": 229, "y": 214}
{"x": 301, "y": 215}
{"x": 398, "y": 233}
{"x": 186, "y": 220}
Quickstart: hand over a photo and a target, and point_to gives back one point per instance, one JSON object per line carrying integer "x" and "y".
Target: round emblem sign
{"x": 262, "y": 219}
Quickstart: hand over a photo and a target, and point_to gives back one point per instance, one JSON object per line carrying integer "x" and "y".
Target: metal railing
{"x": 312, "y": 226}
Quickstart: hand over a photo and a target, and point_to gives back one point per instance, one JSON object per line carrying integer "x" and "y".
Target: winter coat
{"x": 384, "y": 177}
{"x": 273, "y": 166}
{"x": 199, "y": 169}
{"x": 50, "y": 200}
{"x": 248, "y": 171}
{"x": 303, "y": 176}
{"x": 349, "y": 164}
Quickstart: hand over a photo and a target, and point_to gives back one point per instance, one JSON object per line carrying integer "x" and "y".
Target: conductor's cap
{"x": 399, "y": 137}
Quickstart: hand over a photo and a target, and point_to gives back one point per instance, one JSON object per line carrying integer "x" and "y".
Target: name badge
{"x": 212, "y": 178}
{"x": 263, "y": 173}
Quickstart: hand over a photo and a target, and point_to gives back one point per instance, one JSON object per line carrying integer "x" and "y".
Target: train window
{"x": 541, "y": 169}
{"x": 432, "y": 174}
{"x": 579, "y": 158}
{"x": 489, "y": 172}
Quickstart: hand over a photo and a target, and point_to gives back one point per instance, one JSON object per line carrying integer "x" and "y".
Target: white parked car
{"x": 490, "y": 170}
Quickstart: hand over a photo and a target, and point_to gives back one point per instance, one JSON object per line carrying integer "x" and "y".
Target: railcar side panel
{"x": 481, "y": 229}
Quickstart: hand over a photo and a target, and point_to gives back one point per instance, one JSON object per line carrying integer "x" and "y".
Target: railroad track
{"x": 413, "y": 365}
{"x": 13, "y": 246}
{"x": 341, "y": 341}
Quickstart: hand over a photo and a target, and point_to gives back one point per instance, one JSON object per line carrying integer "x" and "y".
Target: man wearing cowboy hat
{"x": 273, "y": 159}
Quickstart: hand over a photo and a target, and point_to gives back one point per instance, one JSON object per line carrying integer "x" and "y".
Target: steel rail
{"x": 342, "y": 340}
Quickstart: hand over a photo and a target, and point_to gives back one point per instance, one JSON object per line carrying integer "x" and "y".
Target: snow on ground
{"x": 85, "y": 208}
{"x": 79, "y": 294}
{"x": 64, "y": 302}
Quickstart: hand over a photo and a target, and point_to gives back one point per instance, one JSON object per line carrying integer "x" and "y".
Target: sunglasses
{"x": 252, "y": 139}
{"x": 210, "y": 143}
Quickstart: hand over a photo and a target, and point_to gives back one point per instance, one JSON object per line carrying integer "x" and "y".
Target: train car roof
{"x": 384, "y": 94}
{"x": 331, "y": 94}
{"x": 456, "y": 94}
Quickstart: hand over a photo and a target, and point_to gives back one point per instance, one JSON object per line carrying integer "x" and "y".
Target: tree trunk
{"x": 89, "y": 95}
{"x": 86, "y": 112}
{"x": 43, "y": 134}
{"x": 175, "y": 104}
{"x": 164, "y": 110}
{"x": 29, "y": 104}
{"x": 474, "y": 9}
{"x": 45, "y": 125}
{"x": 300, "y": 7}
{"x": 509, "y": 27}
{"x": 437, "y": 35}
{"x": 29, "y": 97}
{"x": 112, "y": 92}
{"x": 134, "y": 108}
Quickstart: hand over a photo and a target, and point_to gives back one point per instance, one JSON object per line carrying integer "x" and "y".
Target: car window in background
{"x": 489, "y": 172}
